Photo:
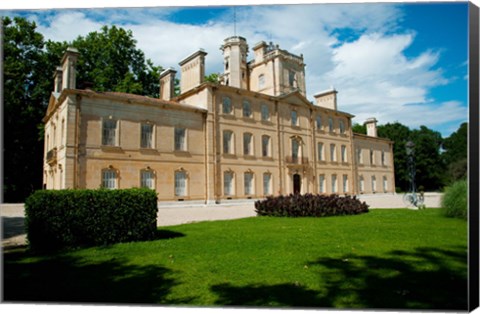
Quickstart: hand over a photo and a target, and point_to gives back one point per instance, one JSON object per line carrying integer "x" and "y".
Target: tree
{"x": 359, "y": 128}
{"x": 110, "y": 60}
{"x": 456, "y": 153}
{"x": 399, "y": 134}
{"x": 25, "y": 100}
{"x": 429, "y": 163}
{"x": 212, "y": 78}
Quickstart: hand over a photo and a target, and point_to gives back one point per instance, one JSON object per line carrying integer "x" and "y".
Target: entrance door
{"x": 297, "y": 183}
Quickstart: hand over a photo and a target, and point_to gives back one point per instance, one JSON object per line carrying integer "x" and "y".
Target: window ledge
{"x": 114, "y": 149}
{"x": 149, "y": 151}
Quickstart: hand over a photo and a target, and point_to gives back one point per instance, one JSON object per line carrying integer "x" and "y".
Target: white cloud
{"x": 370, "y": 69}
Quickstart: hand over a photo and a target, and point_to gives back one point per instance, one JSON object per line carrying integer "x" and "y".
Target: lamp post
{"x": 410, "y": 147}
{"x": 411, "y": 198}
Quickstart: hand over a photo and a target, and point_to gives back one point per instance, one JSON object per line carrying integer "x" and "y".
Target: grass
{"x": 393, "y": 259}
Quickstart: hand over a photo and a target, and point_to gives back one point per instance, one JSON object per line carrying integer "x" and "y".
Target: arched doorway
{"x": 297, "y": 183}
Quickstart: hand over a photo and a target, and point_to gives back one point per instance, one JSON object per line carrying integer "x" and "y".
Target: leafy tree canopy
{"x": 110, "y": 61}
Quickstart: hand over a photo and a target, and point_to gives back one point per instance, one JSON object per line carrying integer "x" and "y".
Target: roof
{"x": 56, "y": 99}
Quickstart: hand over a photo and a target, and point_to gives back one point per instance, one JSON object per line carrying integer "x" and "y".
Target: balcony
{"x": 295, "y": 160}
{"x": 52, "y": 156}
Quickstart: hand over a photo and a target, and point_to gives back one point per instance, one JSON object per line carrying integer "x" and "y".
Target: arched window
{"x": 266, "y": 150}
{"x": 110, "y": 178}
{"x": 267, "y": 183}
{"x": 228, "y": 142}
{"x": 247, "y": 144}
{"x": 180, "y": 182}
{"x": 147, "y": 178}
{"x": 228, "y": 188}
{"x": 248, "y": 183}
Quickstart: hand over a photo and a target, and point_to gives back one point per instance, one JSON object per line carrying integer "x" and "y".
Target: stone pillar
{"x": 69, "y": 62}
{"x": 167, "y": 84}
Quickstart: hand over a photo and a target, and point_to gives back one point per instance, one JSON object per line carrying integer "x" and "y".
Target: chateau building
{"x": 252, "y": 134}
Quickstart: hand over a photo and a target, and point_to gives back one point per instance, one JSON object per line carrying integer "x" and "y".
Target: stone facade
{"x": 251, "y": 135}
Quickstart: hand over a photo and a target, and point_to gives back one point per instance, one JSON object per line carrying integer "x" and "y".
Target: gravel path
{"x": 12, "y": 215}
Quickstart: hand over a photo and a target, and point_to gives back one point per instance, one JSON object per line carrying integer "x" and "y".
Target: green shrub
{"x": 309, "y": 205}
{"x": 455, "y": 200}
{"x": 56, "y": 219}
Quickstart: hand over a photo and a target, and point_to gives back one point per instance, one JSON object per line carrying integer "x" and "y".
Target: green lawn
{"x": 394, "y": 258}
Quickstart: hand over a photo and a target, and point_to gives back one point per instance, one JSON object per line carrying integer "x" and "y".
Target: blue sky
{"x": 405, "y": 62}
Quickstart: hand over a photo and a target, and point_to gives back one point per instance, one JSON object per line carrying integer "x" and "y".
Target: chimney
{"x": 259, "y": 51}
{"x": 57, "y": 80}
{"x": 167, "y": 84}
{"x": 193, "y": 71}
{"x": 327, "y": 99}
{"x": 69, "y": 62}
{"x": 371, "y": 125}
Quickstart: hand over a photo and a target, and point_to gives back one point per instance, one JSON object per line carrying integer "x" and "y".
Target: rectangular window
{"x": 341, "y": 126}
{"x": 330, "y": 124}
{"x": 265, "y": 113}
{"x": 227, "y": 142}
{"x": 362, "y": 184}
{"x": 345, "y": 183}
{"x": 383, "y": 158}
{"x": 321, "y": 183}
{"x": 180, "y": 139}
{"x": 372, "y": 157}
{"x": 180, "y": 183}
{"x": 247, "y": 109}
{"x": 109, "y": 179}
{"x": 334, "y": 183}
{"x": 318, "y": 120}
{"x": 248, "y": 183}
{"x": 344, "y": 153}
{"x": 359, "y": 156}
{"x": 374, "y": 184}
{"x": 147, "y": 179}
{"x": 385, "y": 184}
{"x": 228, "y": 183}
{"x": 294, "y": 118}
{"x": 321, "y": 155}
{"x": 295, "y": 150}
{"x": 265, "y": 146}
{"x": 146, "y": 140}
{"x": 247, "y": 144}
{"x": 333, "y": 153}
{"x": 109, "y": 132}
{"x": 226, "y": 105}
{"x": 267, "y": 181}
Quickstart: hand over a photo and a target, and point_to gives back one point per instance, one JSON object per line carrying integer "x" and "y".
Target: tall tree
{"x": 399, "y": 134}
{"x": 429, "y": 163}
{"x": 456, "y": 153}
{"x": 359, "y": 128}
{"x": 111, "y": 61}
{"x": 25, "y": 100}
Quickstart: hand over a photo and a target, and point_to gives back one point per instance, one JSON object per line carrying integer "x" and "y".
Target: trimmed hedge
{"x": 57, "y": 219}
{"x": 309, "y": 205}
{"x": 455, "y": 200}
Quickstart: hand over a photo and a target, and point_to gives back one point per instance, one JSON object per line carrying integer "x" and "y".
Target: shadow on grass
{"x": 162, "y": 234}
{"x": 65, "y": 279}
{"x": 426, "y": 278}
